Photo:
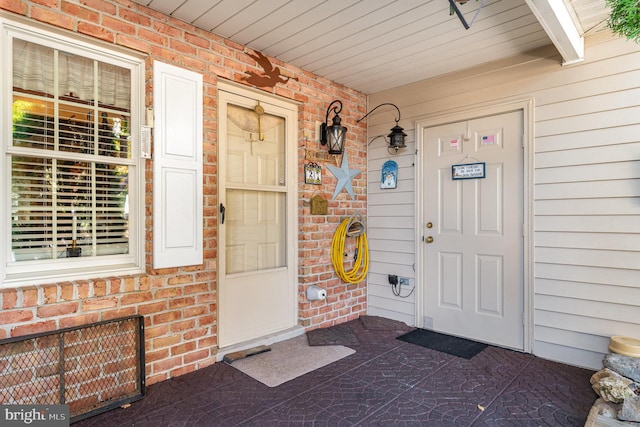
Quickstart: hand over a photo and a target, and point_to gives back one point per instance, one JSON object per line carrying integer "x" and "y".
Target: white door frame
{"x": 292, "y": 199}
{"x": 527, "y": 107}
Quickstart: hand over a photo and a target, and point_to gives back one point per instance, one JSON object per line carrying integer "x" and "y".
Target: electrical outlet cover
{"x": 403, "y": 281}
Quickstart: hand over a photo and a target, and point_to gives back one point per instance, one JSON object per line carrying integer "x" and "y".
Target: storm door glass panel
{"x": 71, "y": 155}
{"x": 255, "y": 191}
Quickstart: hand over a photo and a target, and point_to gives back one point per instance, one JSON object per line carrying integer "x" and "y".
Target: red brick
{"x": 134, "y": 17}
{"x": 197, "y": 40}
{"x": 83, "y": 290}
{"x": 99, "y": 303}
{"x": 66, "y": 291}
{"x": 99, "y": 288}
{"x": 15, "y": 6}
{"x": 79, "y": 320}
{"x": 29, "y": 297}
{"x": 183, "y": 326}
{"x": 166, "y": 341}
{"x": 129, "y": 285}
{"x": 33, "y": 328}
{"x": 156, "y": 378}
{"x": 53, "y": 4}
{"x": 168, "y": 292}
{"x": 182, "y": 370}
{"x": 50, "y": 293}
{"x": 118, "y": 25}
{"x": 208, "y": 342}
{"x": 196, "y": 356}
{"x": 9, "y": 298}
{"x": 153, "y": 37}
{"x": 155, "y": 331}
{"x": 80, "y": 12}
{"x": 136, "y": 298}
{"x": 100, "y": 5}
{"x": 197, "y": 333}
{"x": 167, "y": 30}
{"x": 195, "y": 311}
{"x": 151, "y": 308}
{"x": 52, "y": 17}
{"x": 166, "y": 364}
{"x": 166, "y": 317}
{"x": 183, "y": 348}
{"x": 181, "y": 302}
{"x": 118, "y": 312}
{"x": 180, "y": 279}
{"x": 15, "y": 316}
{"x": 57, "y": 309}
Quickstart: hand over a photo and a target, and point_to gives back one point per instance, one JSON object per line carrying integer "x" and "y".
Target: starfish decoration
{"x": 344, "y": 175}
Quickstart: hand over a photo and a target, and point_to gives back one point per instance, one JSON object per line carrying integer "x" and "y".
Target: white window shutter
{"x": 177, "y": 167}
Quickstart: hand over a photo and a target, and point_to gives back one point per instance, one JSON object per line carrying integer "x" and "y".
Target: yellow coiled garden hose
{"x": 351, "y": 226}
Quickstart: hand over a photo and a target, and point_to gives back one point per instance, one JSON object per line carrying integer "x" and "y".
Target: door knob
{"x": 429, "y": 225}
{"x": 429, "y": 239}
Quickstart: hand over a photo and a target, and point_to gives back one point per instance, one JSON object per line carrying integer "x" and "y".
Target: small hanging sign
{"x": 468, "y": 171}
{"x": 319, "y": 206}
{"x": 389, "y": 177}
{"x": 312, "y": 173}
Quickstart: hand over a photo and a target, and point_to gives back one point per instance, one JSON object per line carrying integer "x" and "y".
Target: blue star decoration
{"x": 344, "y": 175}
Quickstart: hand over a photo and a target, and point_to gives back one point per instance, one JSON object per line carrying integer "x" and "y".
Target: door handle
{"x": 222, "y": 212}
{"x": 429, "y": 239}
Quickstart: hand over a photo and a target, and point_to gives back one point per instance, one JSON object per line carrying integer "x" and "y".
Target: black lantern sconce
{"x": 333, "y": 135}
{"x": 397, "y": 135}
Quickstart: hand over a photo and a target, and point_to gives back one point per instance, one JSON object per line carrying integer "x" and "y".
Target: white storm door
{"x": 473, "y": 231}
{"x": 257, "y": 218}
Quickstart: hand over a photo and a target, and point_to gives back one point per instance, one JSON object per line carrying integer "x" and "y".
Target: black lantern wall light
{"x": 397, "y": 135}
{"x": 333, "y": 135}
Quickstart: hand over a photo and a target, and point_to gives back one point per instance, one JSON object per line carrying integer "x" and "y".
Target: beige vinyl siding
{"x": 391, "y": 231}
{"x": 586, "y": 187}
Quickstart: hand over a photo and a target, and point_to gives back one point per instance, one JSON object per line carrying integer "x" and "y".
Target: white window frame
{"x": 13, "y": 274}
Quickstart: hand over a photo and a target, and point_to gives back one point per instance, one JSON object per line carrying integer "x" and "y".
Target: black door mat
{"x": 335, "y": 335}
{"x": 455, "y": 346}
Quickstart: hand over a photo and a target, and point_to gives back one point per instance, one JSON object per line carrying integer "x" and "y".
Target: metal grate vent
{"x": 91, "y": 368}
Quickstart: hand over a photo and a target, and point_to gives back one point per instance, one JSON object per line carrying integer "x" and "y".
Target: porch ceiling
{"x": 375, "y": 45}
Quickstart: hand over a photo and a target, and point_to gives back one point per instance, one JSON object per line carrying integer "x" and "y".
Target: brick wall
{"x": 180, "y": 305}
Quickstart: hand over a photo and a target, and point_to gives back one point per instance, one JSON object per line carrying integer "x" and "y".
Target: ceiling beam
{"x": 557, "y": 23}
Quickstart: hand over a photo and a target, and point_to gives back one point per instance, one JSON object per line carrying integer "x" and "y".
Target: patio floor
{"x": 386, "y": 382}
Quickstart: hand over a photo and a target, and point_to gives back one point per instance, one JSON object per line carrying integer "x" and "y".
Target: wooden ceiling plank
{"x": 364, "y": 28}
{"x": 558, "y": 24}
{"x": 444, "y": 38}
{"x": 312, "y": 21}
{"x": 247, "y": 17}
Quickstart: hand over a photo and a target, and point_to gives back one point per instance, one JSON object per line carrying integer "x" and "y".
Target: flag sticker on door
{"x": 488, "y": 139}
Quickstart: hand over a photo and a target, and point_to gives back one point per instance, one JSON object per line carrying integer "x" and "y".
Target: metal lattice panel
{"x": 91, "y": 368}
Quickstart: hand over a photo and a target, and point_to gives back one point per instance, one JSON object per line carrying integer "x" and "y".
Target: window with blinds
{"x": 71, "y": 161}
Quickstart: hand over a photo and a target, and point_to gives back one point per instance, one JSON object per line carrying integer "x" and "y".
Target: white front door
{"x": 257, "y": 219}
{"x": 473, "y": 230}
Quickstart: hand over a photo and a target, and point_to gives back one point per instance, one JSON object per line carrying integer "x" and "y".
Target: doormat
{"x": 335, "y": 335}
{"x": 455, "y": 346}
{"x": 288, "y": 360}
